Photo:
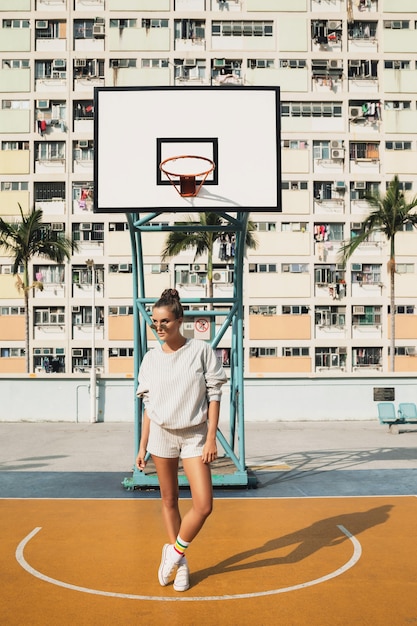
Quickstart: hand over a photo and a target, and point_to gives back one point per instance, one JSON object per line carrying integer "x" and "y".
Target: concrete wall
{"x": 61, "y": 398}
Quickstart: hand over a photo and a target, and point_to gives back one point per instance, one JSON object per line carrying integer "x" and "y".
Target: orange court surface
{"x": 309, "y": 561}
{"x": 328, "y": 537}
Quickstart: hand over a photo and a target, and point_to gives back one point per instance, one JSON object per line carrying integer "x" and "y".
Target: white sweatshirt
{"x": 176, "y": 387}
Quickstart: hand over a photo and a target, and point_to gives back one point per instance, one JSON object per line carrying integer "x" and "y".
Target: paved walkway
{"x": 289, "y": 459}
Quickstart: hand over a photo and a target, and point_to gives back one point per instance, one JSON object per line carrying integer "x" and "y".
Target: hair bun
{"x": 170, "y": 294}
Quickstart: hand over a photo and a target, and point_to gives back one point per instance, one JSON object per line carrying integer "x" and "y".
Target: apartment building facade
{"x": 347, "y": 70}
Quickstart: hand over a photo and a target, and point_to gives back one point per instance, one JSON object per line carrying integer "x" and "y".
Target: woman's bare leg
{"x": 167, "y": 470}
{"x": 199, "y": 478}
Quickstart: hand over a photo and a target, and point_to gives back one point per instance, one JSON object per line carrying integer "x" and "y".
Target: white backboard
{"x": 138, "y": 127}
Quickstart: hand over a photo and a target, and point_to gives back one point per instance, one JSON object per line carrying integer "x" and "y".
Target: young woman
{"x": 180, "y": 382}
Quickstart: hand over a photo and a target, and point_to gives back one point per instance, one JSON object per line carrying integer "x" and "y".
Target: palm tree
{"x": 24, "y": 240}
{"x": 389, "y": 214}
{"x": 203, "y": 241}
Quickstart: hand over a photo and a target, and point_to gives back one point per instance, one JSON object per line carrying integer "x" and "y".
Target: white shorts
{"x": 173, "y": 443}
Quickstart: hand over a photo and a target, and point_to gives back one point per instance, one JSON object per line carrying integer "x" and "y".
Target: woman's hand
{"x": 209, "y": 453}
{"x": 140, "y": 459}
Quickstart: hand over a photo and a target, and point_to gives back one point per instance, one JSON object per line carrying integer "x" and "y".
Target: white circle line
{"x": 357, "y": 552}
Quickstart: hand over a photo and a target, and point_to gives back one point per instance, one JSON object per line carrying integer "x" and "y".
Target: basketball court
{"x": 345, "y": 557}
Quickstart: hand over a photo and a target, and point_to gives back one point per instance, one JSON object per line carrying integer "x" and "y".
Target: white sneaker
{"x": 166, "y": 567}
{"x": 182, "y": 577}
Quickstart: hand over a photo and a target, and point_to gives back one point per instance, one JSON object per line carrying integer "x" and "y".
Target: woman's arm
{"x": 140, "y": 459}
{"x": 210, "y": 447}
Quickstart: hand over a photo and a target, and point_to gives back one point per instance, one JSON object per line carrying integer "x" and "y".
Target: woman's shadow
{"x": 307, "y": 541}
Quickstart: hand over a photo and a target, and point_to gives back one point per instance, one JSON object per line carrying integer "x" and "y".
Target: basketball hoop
{"x": 182, "y": 172}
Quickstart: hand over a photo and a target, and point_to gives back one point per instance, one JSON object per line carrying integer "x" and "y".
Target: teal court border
{"x": 234, "y": 443}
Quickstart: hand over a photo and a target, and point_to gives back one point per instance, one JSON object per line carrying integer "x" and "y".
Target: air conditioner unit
{"x": 123, "y": 267}
{"x": 219, "y": 62}
{"x": 355, "y": 111}
{"x": 334, "y": 25}
{"x": 190, "y": 62}
{"x": 83, "y": 143}
{"x": 98, "y": 30}
{"x": 356, "y": 225}
{"x": 86, "y": 226}
{"x": 99, "y": 20}
{"x": 7, "y": 269}
{"x": 188, "y": 326}
{"x": 334, "y": 64}
{"x": 338, "y": 153}
{"x": 339, "y": 184}
{"x": 356, "y": 267}
{"x": 221, "y": 276}
{"x": 80, "y": 62}
{"x": 42, "y": 104}
{"x": 41, "y": 24}
{"x": 77, "y": 352}
{"x": 7, "y": 104}
{"x": 57, "y": 226}
{"x": 75, "y": 309}
{"x": 336, "y": 143}
{"x": 359, "y": 184}
{"x": 410, "y": 351}
{"x": 198, "y": 267}
{"x": 355, "y": 63}
{"x": 261, "y": 63}
{"x": 358, "y": 310}
{"x": 59, "y": 64}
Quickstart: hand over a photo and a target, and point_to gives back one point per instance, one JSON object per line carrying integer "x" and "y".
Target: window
{"x": 328, "y": 232}
{"x": 83, "y": 29}
{"x": 118, "y": 226}
{"x": 15, "y": 145}
{"x": 82, "y": 316}
{"x": 50, "y": 151}
{"x": 366, "y": 315}
{"x": 12, "y": 310}
{"x": 398, "y": 145}
{"x": 329, "y": 358}
{"x": 263, "y": 352}
{"x": 366, "y": 357}
{"x": 16, "y": 24}
{"x": 88, "y": 231}
{"x": 362, "y": 30}
{"x": 397, "y": 24}
{"x": 120, "y": 310}
{"x": 189, "y": 29}
{"x": 294, "y": 268}
{"x": 154, "y": 23}
{"x": 397, "y": 105}
{"x": 364, "y": 151}
{"x": 330, "y": 316}
{"x": 122, "y": 63}
{"x": 49, "y": 191}
{"x": 311, "y": 109}
{"x": 261, "y": 64}
{"x": 51, "y": 29}
{"x": 403, "y": 309}
{"x": 154, "y": 63}
{"x": 263, "y": 227}
{"x": 295, "y": 309}
{"x": 190, "y": 69}
{"x": 325, "y": 275}
{"x": 81, "y": 358}
{"x": 84, "y": 152}
{"x": 321, "y": 150}
{"x": 289, "y": 352}
{"x": 116, "y": 352}
{"x": 14, "y": 185}
{"x": 123, "y": 23}
{"x": 366, "y": 273}
{"x": 293, "y": 63}
{"x": 6, "y": 353}
{"x": 294, "y": 185}
{"x": 242, "y": 28}
{"x": 404, "y": 268}
{"x": 49, "y": 316}
{"x": 84, "y": 109}
{"x": 50, "y": 274}
{"x": 262, "y": 267}
{"x": 294, "y": 144}
{"x": 262, "y": 309}
{"x": 89, "y": 68}
{"x": 120, "y": 268}
{"x": 15, "y": 64}
{"x": 295, "y": 227}
{"x": 397, "y": 65}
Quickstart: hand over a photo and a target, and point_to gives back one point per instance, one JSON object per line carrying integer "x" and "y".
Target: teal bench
{"x": 406, "y": 414}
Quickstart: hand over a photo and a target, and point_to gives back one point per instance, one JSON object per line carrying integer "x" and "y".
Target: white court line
{"x": 357, "y": 552}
